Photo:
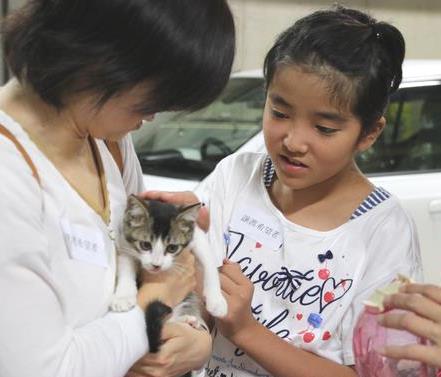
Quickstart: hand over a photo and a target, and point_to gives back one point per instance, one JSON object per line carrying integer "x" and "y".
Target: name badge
{"x": 258, "y": 225}
{"x": 84, "y": 243}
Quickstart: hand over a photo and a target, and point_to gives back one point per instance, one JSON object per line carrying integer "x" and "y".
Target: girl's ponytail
{"x": 393, "y": 47}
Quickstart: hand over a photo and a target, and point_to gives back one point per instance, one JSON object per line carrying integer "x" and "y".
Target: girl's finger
{"x": 411, "y": 322}
{"x": 173, "y": 330}
{"x": 149, "y": 360}
{"x": 186, "y": 258}
{"x": 427, "y": 354}
{"x": 203, "y": 219}
{"x": 141, "y": 371}
{"x": 430, "y": 291}
{"x": 178, "y": 197}
{"x": 234, "y": 272}
{"x": 228, "y": 285}
{"x": 416, "y": 303}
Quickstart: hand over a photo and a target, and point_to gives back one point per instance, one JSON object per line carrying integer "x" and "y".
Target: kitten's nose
{"x": 155, "y": 267}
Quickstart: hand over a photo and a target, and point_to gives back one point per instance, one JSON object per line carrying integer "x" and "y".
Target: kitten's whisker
{"x": 179, "y": 267}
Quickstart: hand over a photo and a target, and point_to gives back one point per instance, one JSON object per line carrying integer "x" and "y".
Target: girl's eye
{"x": 326, "y": 130}
{"x": 278, "y": 114}
{"x": 172, "y": 248}
{"x": 145, "y": 245}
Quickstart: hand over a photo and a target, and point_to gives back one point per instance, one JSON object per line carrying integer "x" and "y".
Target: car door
{"x": 406, "y": 161}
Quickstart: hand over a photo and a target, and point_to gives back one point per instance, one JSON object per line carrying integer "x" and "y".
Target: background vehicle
{"x": 178, "y": 150}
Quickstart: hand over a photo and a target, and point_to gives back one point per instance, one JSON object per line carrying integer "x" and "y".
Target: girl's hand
{"x": 185, "y": 348}
{"x": 170, "y": 287}
{"x": 422, "y": 303}
{"x": 180, "y": 197}
{"x": 238, "y": 291}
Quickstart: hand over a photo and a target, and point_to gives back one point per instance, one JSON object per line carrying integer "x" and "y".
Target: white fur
{"x": 124, "y": 297}
{"x": 125, "y": 293}
{"x": 214, "y": 300}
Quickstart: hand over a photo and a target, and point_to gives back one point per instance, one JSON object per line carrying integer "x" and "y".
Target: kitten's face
{"x": 157, "y": 232}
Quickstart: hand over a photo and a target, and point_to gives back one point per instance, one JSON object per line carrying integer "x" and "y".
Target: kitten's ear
{"x": 135, "y": 203}
{"x": 189, "y": 212}
{"x": 136, "y": 211}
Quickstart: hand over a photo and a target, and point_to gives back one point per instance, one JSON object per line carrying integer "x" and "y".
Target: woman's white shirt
{"x": 57, "y": 269}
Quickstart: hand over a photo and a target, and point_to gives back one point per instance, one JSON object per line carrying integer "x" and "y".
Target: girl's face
{"x": 310, "y": 140}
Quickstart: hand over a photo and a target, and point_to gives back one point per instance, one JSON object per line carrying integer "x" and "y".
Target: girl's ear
{"x": 369, "y": 139}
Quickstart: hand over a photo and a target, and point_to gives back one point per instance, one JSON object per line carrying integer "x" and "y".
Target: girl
{"x": 84, "y": 71}
{"x": 307, "y": 236}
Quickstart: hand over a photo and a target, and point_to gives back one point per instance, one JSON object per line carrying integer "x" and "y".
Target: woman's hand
{"x": 422, "y": 303}
{"x": 185, "y": 348}
{"x": 170, "y": 287}
{"x": 238, "y": 291}
{"x": 180, "y": 197}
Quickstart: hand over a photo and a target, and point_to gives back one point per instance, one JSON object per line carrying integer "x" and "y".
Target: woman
{"x": 84, "y": 72}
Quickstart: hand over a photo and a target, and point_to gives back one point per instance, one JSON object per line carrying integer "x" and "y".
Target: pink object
{"x": 370, "y": 336}
{"x": 324, "y": 273}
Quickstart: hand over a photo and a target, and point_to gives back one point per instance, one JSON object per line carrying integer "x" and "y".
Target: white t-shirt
{"x": 309, "y": 285}
{"x": 54, "y": 319}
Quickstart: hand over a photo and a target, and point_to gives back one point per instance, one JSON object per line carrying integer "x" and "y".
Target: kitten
{"x": 152, "y": 235}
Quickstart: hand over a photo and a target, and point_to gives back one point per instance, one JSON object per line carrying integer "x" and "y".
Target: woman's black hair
{"x": 360, "y": 58}
{"x": 181, "y": 49}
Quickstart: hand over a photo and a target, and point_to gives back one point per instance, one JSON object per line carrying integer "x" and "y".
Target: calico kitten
{"x": 152, "y": 235}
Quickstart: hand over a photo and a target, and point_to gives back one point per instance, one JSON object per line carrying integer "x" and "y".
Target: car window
{"x": 411, "y": 140}
{"x": 189, "y": 145}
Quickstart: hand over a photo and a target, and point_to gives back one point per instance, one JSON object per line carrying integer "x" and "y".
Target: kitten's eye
{"x": 172, "y": 248}
{"x": 145, "y": 245}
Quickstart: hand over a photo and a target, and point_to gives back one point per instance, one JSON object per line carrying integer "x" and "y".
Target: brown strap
{"x": 115, "y": 151}
{"x": 5, "y": 132}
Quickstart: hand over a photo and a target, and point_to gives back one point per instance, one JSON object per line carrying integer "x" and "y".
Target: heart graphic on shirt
{"x": 299, "y": 316}
{"x": 332, "y": 291}
{"x": 326, "y": 335}
{"x": 258, "y": 245}
{"x": 329, "y": 296}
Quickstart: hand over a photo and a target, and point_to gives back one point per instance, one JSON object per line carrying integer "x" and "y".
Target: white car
{"x": 178, "y": 150}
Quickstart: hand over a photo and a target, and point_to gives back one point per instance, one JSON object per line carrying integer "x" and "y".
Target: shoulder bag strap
{"x": 5, "y": 132}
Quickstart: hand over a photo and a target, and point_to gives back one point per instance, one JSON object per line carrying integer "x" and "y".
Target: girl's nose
{"x": 295, "y": 142}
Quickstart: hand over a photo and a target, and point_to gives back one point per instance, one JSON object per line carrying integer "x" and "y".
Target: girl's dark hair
{"x": 181, "y": 49}
{"x": 359, "y": 57}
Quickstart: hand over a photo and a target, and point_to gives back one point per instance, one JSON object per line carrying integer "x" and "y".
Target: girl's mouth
{"x": 293, "y": 162}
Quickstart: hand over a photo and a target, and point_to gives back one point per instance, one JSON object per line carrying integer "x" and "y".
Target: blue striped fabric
{"x": 268, "y": 172}
{"x": 376, "y": 197}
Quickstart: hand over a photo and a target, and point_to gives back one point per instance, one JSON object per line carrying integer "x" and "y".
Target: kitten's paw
{"x": 217, "y": 306}
{"x": 122, "y": 303}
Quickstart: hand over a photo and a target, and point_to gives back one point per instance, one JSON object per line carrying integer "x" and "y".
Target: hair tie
{"x": 375, "y": 31}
